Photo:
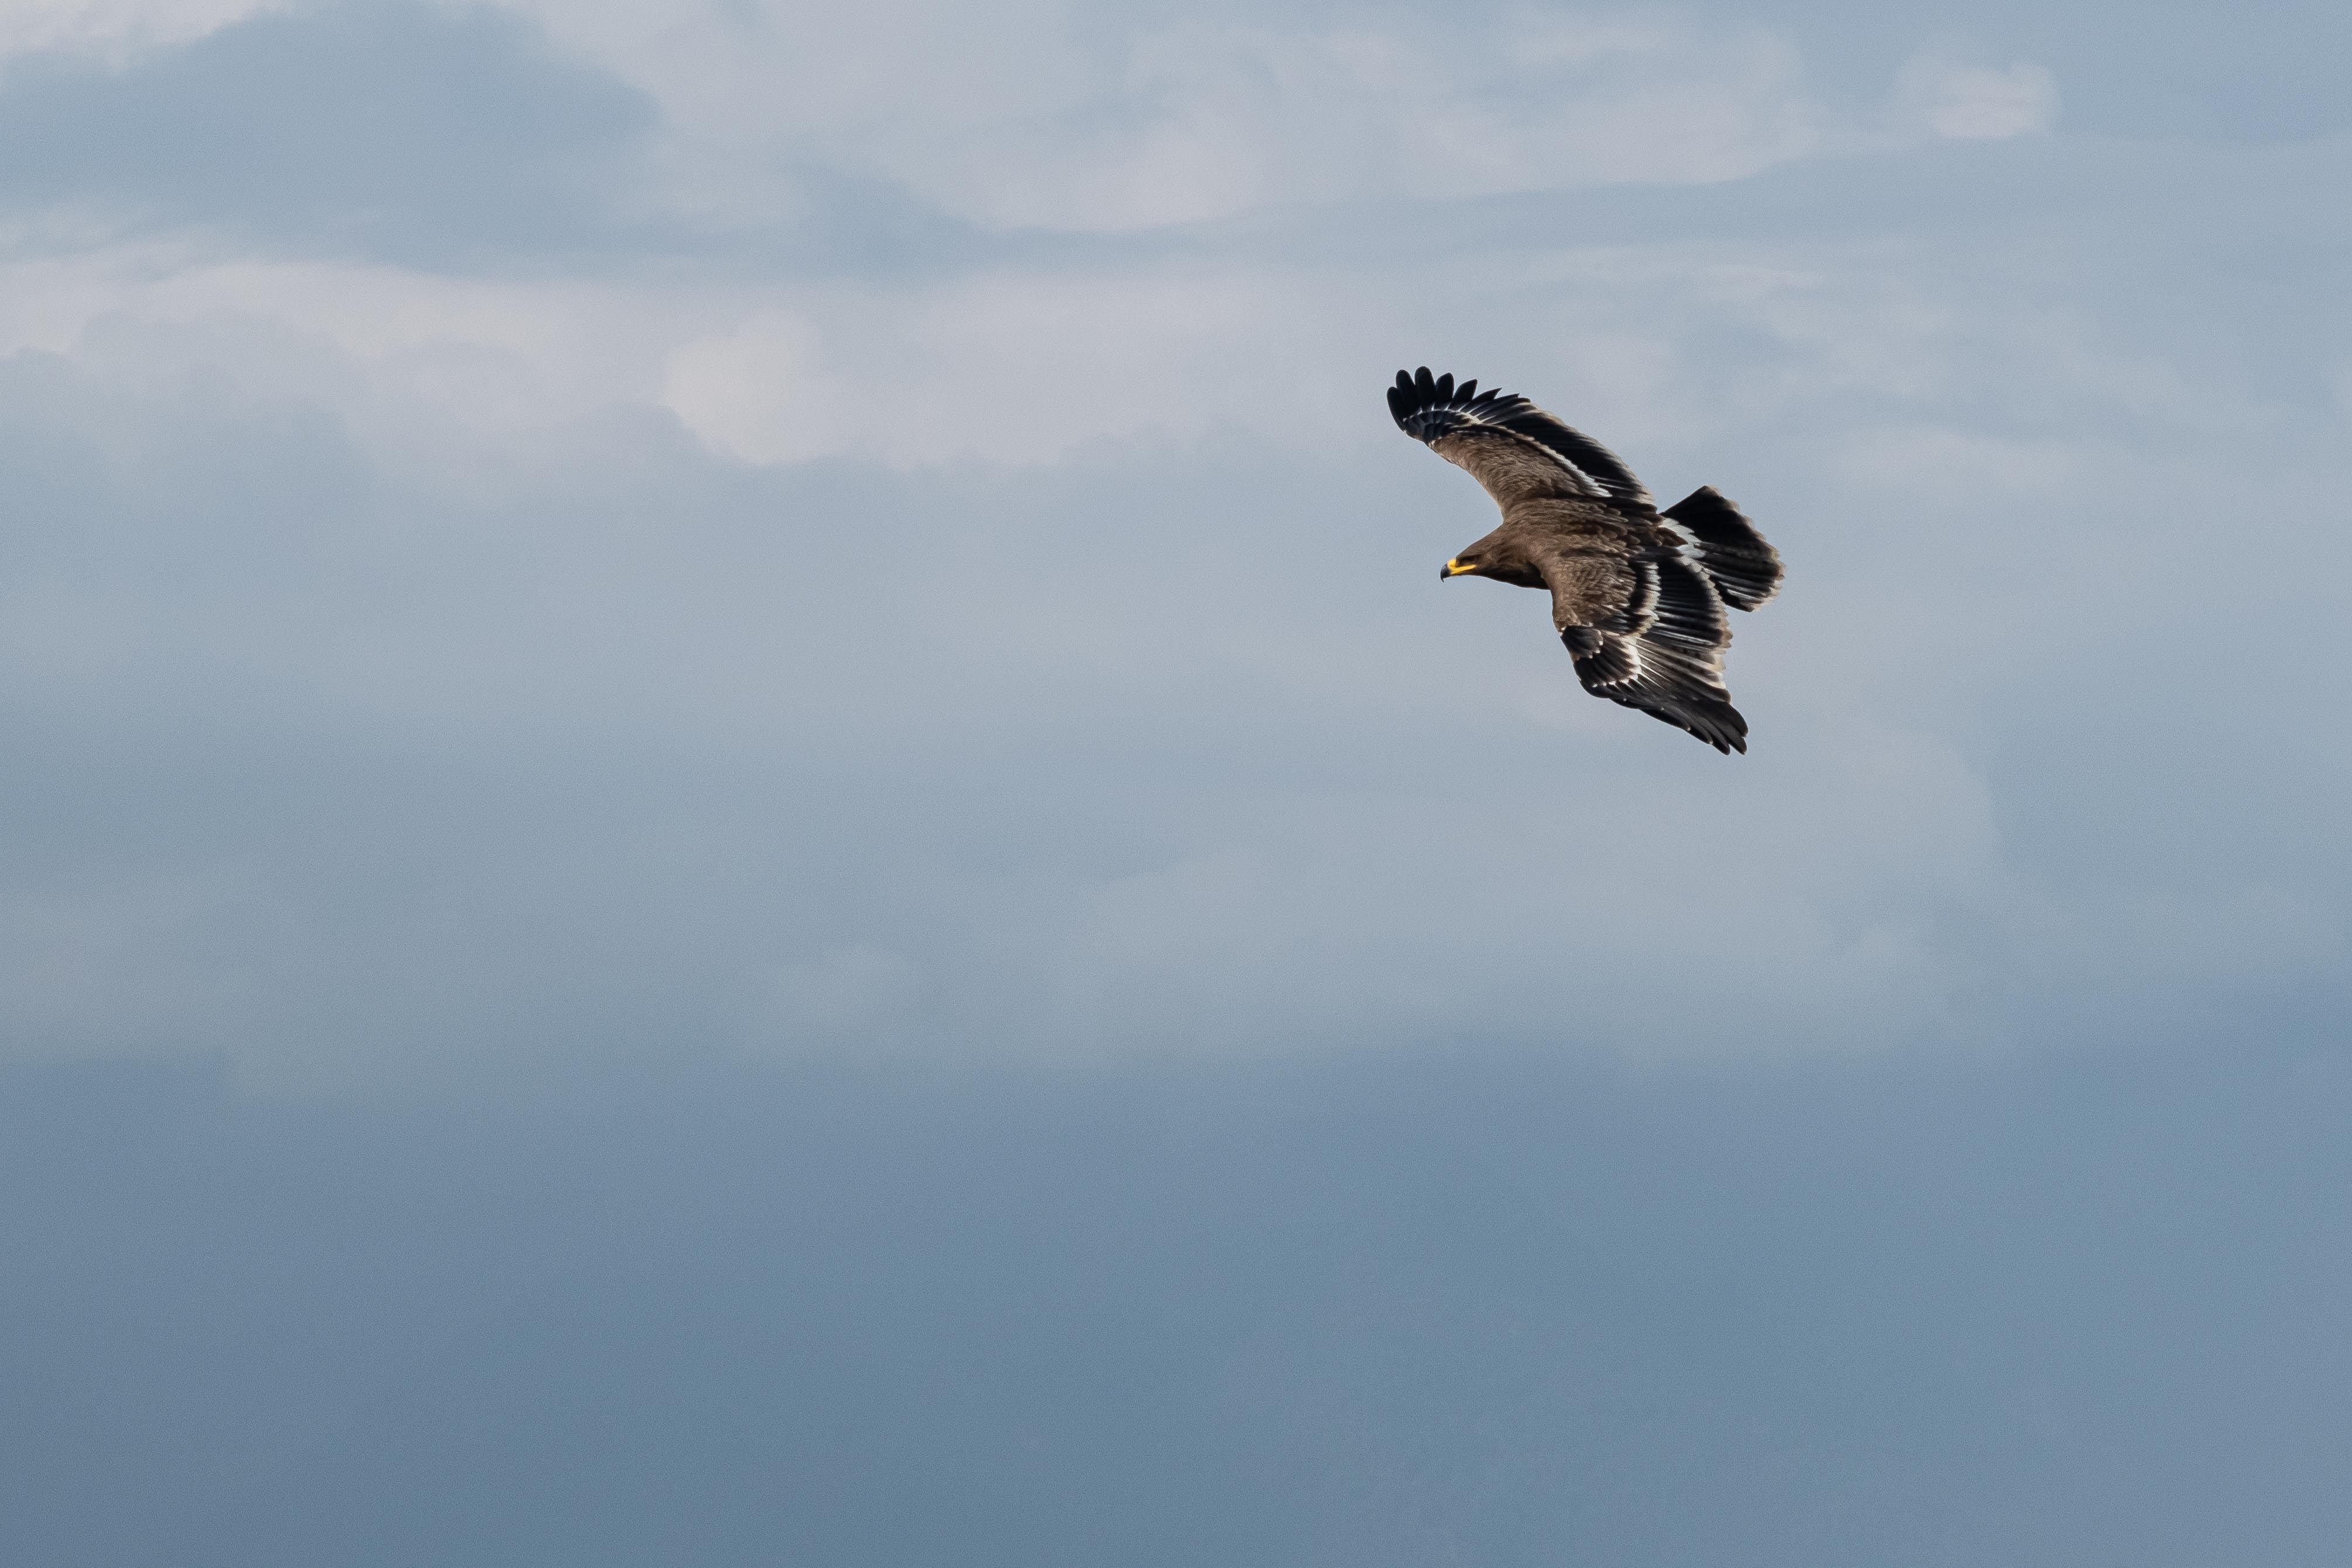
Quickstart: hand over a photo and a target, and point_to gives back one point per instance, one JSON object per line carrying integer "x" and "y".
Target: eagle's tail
{"x": 1747, "y": 570}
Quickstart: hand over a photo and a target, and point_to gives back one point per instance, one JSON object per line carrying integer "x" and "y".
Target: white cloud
{"x": 116, "y": 29}
{"x": 1006, "y": 368}
{"x": 1963, "y": 102}
{"x": 1058, "y": 116}
{"x": 1237, "y": 117}
{"x": 1015, "y": 368}
{"x": 385, "y": 345}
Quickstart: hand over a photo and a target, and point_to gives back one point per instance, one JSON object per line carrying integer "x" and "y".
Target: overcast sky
{"x": 658, "y": 652}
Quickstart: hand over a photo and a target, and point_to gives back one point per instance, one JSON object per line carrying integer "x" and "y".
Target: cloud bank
{"x": 941, "y": 590}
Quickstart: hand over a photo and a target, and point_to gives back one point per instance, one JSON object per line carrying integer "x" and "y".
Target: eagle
{"x": 1637, "y": 594}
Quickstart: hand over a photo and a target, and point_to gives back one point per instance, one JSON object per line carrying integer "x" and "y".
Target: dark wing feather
{"x": 1746, "y": 569}
{"x": 1503, "y": 430}
{"x": 1651, "y": 636}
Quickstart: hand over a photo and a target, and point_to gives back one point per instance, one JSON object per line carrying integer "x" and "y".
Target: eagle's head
{"x": 1499, "y": 556}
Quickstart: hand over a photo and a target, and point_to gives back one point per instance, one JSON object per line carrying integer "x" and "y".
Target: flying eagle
{"x": 1638, "y": 604}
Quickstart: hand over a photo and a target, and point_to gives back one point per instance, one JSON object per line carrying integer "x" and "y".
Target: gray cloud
{"x": 1471, "y": 1306}
{"x": 2181, "y": 73}
{"x": 418, "y": 698}
{"x": 410, "y": 131}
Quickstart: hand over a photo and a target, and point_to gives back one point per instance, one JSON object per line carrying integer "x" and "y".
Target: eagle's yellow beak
{"x": 1454, "y": 569}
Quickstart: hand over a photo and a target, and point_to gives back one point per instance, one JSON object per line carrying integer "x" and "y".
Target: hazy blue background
{"x": 741, "y": 826}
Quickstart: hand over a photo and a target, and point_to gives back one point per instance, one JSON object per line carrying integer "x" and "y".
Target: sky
{"x": 740, "y": 825}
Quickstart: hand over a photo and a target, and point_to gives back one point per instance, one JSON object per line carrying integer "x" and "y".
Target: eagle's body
{"x": 1637, "y": 594}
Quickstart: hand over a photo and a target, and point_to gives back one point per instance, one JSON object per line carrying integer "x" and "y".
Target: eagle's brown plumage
{"x": 1637, "y": 594}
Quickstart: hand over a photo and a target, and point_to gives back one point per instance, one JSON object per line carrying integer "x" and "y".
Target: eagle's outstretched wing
{"x": 1510, "y": 447}
{"x": 1647, "y": 630}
